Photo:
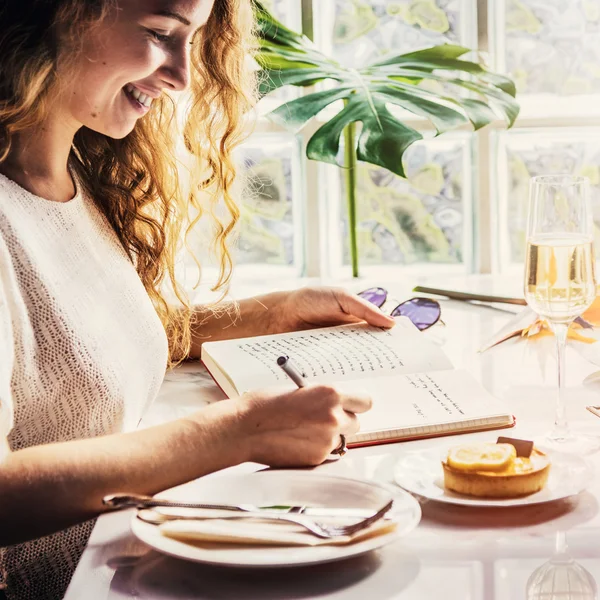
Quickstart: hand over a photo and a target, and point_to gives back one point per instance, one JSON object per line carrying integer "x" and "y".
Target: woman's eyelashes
{"x": 163, "y": 38}
{"x": 159, "y": 37}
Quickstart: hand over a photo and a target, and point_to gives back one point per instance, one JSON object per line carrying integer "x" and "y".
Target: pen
{"x": 290, "y": 370}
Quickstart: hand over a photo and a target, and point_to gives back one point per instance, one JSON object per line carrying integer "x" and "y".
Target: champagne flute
{"x": 560, "y": 281}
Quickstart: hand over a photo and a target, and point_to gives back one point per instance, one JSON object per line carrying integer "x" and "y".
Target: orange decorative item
{"x": 592, "y": 314}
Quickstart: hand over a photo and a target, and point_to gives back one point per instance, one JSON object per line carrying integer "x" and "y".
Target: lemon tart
{"x": 494, "y": 471}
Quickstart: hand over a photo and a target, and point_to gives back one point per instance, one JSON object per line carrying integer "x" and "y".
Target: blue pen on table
{"x": 291, "y": 371}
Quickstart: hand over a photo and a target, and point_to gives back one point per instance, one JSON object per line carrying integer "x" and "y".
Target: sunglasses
{"x": 423, "y": 312}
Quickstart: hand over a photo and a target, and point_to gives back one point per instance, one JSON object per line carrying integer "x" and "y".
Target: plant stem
{"x": 350, "y": 175}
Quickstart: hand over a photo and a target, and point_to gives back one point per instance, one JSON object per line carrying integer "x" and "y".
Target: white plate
{"x": 421, "y": 473}
{"x": 282, "y": 488}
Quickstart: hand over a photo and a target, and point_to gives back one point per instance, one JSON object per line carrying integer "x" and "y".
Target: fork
{"x": 120, "y": 501}
{"x": 321, "y": 530}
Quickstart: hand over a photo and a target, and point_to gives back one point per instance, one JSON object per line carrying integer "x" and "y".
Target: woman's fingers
{"x": 349, "y": 424}
{"x": 300, "y": 427}
{"x": 356, "y": 403}
{"x": 362, "y": 309}
{"x": 329, "y": 398}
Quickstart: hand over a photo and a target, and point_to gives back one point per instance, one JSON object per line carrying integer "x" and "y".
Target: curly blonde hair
{"x": 137, "y": 181}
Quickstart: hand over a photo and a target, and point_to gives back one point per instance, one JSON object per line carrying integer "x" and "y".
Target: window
{"x": 552, "y": 51}
{"x": 271, "y": 201}
{"x": 527, "y": 152}
{"x": 462, "y": 207}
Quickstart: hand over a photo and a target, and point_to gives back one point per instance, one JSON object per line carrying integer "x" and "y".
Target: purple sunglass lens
{"x": 423, "y": 312}
{"x": 376, "y": 296}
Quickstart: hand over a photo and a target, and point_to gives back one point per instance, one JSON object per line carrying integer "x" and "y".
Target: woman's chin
{"x": 119, "y": 135}
{"x": 116, "y": 132}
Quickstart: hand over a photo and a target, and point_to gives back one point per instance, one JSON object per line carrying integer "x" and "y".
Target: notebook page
{"x": 424, "y": 400}
{"x": 356, "y": 351}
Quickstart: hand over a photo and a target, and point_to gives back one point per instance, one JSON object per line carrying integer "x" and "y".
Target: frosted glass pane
{"x": 270, "y": 199}
{"x": 528, "y": 152}
{"x": 551, "y": 46}
{"x": 426, "y": 218}
{"x": 359, "y": 31}
{"x": 286, "y": 11}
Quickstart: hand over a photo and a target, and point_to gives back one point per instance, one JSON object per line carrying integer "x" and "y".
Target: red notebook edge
{"x": 368, "y": 443}
{"x": 213, "y": 377}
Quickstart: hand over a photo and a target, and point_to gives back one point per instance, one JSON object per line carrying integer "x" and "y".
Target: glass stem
{"x": 561, "y": 426}
{"x": 560, "y": 543}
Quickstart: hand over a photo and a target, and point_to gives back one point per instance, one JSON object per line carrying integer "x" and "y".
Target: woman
{"x": 91, "y": 213}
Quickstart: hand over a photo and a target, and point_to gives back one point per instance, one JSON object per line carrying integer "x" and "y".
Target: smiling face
{"x": 136, "y": 53}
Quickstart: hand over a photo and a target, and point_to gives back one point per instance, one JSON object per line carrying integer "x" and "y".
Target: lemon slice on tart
{"x": 494, "y": 470}
{"x": 481, "y": 457}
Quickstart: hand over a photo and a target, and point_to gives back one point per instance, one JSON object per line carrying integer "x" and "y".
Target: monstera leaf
{"x": 435, "y": 83}
{"x": 403, "y": 80}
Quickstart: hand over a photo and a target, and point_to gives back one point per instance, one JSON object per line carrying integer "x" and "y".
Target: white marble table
{"x": 455, "y": 553}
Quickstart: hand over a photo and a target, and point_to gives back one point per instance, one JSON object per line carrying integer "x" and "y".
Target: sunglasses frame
{"x": 386, "y": 295}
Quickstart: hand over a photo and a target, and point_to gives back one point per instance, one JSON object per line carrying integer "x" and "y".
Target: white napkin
{"x": 265, "y": 533}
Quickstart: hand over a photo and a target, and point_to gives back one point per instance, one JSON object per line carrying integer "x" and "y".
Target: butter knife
{"x": 122, "y": 501}
{"x": 468, "y": 296}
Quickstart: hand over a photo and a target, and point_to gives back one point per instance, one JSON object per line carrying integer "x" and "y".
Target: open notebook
{"x": 416, "y": 392}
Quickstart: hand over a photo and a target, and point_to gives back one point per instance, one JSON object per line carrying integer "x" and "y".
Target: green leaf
{"x": 497, "y": 98}
{"x": 382, "y": 140}
{"x": 479, "y": 113}
{"x": 276, "y": 62}
{"x": 313, "y": 57}
{"x": 502, "y": 101}
{"x": 289, "y": 58}
{"x": 444, "y": 51}
{"x": 296, "y": 113}
{"x": 270, "y": 28}
{"x": 272, "y": 80}
{"x": 443, "y": 117}
{"x": 500, "y": 81}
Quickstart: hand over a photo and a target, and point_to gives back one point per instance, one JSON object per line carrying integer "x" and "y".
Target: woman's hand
{"x": 279, "y": 312}
{"x": 311, "y": 307}
{"x": 297, "y": 428}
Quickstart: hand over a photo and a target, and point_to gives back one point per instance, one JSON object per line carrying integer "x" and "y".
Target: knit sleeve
{"x": 7, "y": 354}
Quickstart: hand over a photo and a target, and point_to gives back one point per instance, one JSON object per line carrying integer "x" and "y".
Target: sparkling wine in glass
{"x": 560, "y": 282}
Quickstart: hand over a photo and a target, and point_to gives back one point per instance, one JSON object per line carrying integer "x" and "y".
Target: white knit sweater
{"x": 82, "y": 352}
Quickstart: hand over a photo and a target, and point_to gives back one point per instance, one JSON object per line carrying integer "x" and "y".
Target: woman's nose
{"x": 176, "y": 71}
